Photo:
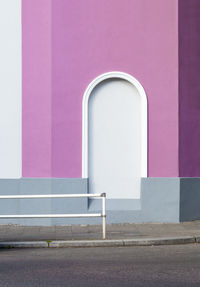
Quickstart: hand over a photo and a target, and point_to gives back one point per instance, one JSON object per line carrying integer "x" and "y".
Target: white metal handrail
{"x": 100, "y": 195}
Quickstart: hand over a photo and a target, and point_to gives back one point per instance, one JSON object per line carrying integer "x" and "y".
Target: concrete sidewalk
{"x": 117, "y": 234}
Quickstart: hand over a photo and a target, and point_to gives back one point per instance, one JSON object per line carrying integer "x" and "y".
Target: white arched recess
{"x": 143, "y": 121}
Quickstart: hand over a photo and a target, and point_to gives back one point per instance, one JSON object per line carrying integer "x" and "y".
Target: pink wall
{"x": 36, "y": 48}
{"x": 88, "y": 38}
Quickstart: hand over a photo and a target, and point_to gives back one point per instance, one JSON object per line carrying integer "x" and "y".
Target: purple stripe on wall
{"x": 189, "y": 88}
{"x": 36, "y": 19}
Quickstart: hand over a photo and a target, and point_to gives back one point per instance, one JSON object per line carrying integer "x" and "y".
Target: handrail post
{"x": 104, "y": 215}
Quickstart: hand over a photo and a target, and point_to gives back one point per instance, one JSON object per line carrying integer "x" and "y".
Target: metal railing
{"x": 100, "y": 195}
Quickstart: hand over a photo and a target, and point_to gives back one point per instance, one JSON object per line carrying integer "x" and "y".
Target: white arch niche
{"x": 88, "y": 92}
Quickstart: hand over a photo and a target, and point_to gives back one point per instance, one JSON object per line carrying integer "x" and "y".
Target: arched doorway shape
{"x": 143, "y": 118}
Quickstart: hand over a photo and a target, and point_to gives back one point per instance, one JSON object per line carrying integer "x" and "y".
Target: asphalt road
{"x": 122, "y": 266}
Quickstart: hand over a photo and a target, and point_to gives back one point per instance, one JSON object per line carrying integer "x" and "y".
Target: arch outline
{"x": 86, "y": 96}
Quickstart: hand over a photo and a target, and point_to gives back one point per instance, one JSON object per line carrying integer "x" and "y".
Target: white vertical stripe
{"x": 10, "y": 89}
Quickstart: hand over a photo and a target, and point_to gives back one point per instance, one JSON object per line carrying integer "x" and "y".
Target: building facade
{"x": 101, "y": 96}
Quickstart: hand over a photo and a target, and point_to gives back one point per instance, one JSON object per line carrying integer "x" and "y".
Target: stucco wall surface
{"x": 10, "y": 89}
{"x": 189, "y": 88}
{"x": 36, "y": 88}
{"x": 66, "y": 44}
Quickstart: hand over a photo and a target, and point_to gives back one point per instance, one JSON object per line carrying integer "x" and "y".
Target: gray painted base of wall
{"x": 189, "y": 199}
{"x": 38, "y": 206}
{"x": 162, "y": 200}
{"x": 159, "y": 203}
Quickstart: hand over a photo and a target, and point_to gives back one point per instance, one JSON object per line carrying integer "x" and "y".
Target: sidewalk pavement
{"x": 91, "y": 235}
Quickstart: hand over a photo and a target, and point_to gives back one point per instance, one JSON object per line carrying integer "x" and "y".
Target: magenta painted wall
{"x": 88, "y": 38}
{"x": 36, "y": 49}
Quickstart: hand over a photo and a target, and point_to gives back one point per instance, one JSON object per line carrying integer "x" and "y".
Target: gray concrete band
{"x": 162, "y": 200}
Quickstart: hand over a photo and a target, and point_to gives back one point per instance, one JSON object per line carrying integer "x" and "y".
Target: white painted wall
{"x": 114, "y": 139}
{"x": 10, "y": 89}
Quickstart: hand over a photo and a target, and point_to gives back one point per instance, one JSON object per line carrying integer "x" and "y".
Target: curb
{"x": 103, "y": 243}
{"x": 24, "y": 244}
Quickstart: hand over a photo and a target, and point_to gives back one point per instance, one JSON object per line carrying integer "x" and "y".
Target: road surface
{"x": 96, "y": 267}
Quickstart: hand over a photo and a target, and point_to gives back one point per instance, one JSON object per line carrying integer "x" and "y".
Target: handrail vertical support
{"x": 104, "y": 215}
